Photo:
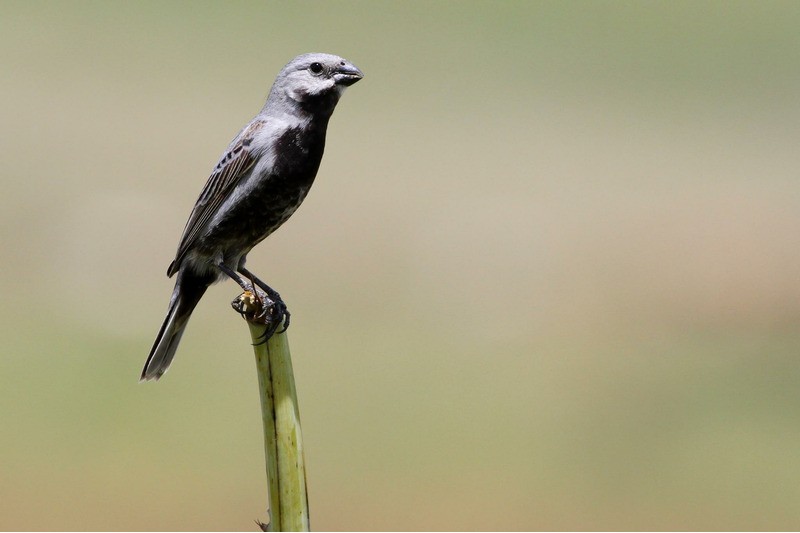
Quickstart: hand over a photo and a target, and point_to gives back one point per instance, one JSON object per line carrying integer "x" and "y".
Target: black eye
{"x": 316, "y": 68}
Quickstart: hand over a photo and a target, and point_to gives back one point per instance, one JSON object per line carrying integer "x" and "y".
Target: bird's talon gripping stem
{"x": 255, "y": 305}
{"x": 278, "y": 310}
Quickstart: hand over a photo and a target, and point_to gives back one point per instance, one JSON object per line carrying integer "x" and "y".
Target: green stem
{"x": 283, "y": 440}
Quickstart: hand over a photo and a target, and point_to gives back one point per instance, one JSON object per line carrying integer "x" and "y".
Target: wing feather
{"x": 234, "y": 164}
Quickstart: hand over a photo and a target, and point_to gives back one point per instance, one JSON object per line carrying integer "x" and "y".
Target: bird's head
{"x": 317, "y": 77}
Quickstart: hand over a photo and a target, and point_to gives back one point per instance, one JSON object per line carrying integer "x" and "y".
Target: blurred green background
{"x": 548, "y": 277}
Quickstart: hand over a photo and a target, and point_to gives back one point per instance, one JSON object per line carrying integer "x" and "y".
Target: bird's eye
{"x": 316, "y": 68}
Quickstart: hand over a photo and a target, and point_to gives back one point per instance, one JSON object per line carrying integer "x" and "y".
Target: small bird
{"x": 261, "y": 179}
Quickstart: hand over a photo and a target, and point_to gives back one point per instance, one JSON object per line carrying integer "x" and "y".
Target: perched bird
{"x": 258, "y": 183}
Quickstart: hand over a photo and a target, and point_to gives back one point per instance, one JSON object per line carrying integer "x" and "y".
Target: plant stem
{"x": 283, "y": 440}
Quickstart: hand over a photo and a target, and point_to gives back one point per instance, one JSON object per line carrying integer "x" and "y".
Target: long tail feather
{"x": 188, "y": 291}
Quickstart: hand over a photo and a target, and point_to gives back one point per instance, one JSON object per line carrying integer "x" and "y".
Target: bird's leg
{"x": 234, "y": 276}
{"x": 280, "y": 307}
{"x": 272, "y": 293}
{"x": 246, "y": 288}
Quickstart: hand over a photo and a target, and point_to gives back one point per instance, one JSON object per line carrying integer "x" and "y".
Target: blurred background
{"x": 548, "y": 276}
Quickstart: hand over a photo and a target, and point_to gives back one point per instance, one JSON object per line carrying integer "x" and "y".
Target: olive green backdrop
{"x": 548, "y": 277}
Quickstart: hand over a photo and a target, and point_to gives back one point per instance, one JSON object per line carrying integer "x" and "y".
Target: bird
{"x": 260, "y": 180}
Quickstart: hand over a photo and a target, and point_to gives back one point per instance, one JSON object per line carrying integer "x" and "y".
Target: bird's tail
{"x": 188, "y": 291}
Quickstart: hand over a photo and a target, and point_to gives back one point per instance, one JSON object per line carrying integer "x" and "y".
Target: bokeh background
{"x": 548, "y": 277}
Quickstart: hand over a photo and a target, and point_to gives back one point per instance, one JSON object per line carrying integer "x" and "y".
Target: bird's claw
{"x": 255, "y": 305}
{"x": 286, "y": 319}
{"x": 272, "y": 316}
{"x": 281, "y": 314}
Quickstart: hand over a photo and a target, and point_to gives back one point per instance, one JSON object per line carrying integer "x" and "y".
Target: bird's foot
{"x": 281, "y": 311}
{"x": 258, "y": 307}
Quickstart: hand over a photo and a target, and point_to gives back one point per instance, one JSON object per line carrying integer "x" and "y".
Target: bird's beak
{"x": 347, "y": 74}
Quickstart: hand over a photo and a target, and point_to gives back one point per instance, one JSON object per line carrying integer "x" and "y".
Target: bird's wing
{"x": 234, "y": 164}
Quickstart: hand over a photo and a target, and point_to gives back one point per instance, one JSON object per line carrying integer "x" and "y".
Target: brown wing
{"x": 234, "y": 164}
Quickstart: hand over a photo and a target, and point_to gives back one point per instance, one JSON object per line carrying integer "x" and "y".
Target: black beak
{"x": 347, "y": 74}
